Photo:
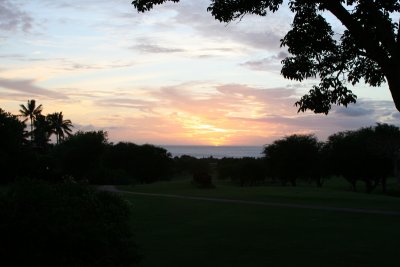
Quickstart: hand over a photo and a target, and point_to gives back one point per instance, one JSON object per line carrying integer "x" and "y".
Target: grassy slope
{"x": 176, "y": 232}
{"x": 336, "y": 193}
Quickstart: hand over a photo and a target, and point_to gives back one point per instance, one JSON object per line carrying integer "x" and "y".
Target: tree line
{"x": 368, "y": 155}
{"x": 27, "y": 152}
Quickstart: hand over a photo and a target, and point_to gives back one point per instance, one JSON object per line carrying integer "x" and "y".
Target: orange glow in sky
{"x": 170, "y": 76}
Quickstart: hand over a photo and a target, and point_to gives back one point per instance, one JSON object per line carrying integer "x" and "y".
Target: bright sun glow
{"x": 197, "y": 81}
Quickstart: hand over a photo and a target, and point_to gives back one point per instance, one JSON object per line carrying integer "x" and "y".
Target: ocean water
{"x": 215, "y": 151}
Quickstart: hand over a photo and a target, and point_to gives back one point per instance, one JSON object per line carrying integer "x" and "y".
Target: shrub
{"x": 202, "y": 180}
{"x": 64, "y": 225}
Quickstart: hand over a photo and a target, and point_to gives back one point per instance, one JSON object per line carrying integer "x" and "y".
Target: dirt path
{"x": 112, "y": 188}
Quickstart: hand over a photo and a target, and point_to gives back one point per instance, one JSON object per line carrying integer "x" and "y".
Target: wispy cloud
{"x": 12, "y": 56}
{"x": 142, "y": 105}
{"x": 239, "y": 113}
{"x": 67, "y": 64}
{"x": 29, "y": 87}
{"x": 257, "y": 32}
{"x": 360, "y": 110}
{"x": 173, "y": 75}
{"x": 209, "y": 112}
{"x": 272, "y": 63}
{"x": 13, "y": 18}
{"x": 154, "y": 48}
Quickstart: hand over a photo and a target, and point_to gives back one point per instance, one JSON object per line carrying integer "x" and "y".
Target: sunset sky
{"x": 170, "y": 76}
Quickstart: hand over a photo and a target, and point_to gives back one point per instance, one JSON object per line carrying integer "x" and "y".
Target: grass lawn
{"x": 179, "y": 232}
{"x": 335, "y": 193}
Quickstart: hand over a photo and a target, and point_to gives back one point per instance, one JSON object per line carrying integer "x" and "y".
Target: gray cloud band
{"x": 28, "y": 87}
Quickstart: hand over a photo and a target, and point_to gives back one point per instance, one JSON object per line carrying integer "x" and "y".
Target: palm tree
{"x": 59, "y": 126}
{"x": 31, "y": 111}
{"x": 42, "y": 132}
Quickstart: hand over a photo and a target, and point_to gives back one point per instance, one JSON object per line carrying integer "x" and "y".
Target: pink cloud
{"x": 28, "y": 87}
{"x": 204, "y": 113}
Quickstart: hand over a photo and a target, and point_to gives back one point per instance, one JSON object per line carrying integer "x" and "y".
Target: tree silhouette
{"x": 31, "y": 111}
{"x": 59, "y": 126}
{"x": 143, "y": 163}
{"x": 367, "y": 155}
{"x": 293, "y": 157}
{"x": 368, "y": 49}
{"x": 80, "y": 155}
{"x": 12, "y": 140}
{"x": 245, "y": 171}
{"x": 42, "y": 132}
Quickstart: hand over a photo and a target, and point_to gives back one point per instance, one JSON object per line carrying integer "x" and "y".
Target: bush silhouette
{"x": 64, "y": 225}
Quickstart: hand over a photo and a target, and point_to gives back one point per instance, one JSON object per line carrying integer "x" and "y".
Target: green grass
{"x": 178, "y": 232}
{"x": 335, "y": 193}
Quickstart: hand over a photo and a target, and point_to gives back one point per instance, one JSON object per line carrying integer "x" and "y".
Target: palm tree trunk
{"x": 31, "y": 129}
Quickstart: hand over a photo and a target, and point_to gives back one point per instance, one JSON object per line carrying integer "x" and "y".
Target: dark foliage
{"x": 141, "y": 163}
{"x": 295, "y": 157}
{"x": 368, "y": 49}
{"x": 59, "y": 126}
{"x": 80, "y": 156}
{"x": 245, "y": 171}
{"x": 31, "y": 111}
{"x": 202, "y": 179}
{"x": 201, "y": 170}
{"x": 42, "y": 132}
{"x": 64, "y": 225}
{"x": 13, "y": 152}
{"x": 85, "y": 156}
{"x": 367, "y": 154}
{"x": 89, "y": 156}
{"x": 185, "y": 164}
